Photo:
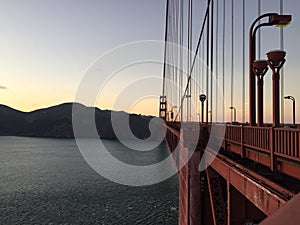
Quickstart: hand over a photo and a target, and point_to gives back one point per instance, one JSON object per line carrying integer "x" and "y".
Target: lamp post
{"x": 234, "y": 113}
{"x": 274, "y": 20}
{"x": 202, "y": 99}
{"x": 294, "y": 107}
{"x": 275, "y": 61}
{"x": 260, "y": 67}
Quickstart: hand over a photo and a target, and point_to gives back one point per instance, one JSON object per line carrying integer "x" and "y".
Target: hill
{"x": 56, "y": 121}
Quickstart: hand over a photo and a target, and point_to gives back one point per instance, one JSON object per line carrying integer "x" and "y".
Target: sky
{"x": 269, "y": 41}
{"x": 48, "y": 47}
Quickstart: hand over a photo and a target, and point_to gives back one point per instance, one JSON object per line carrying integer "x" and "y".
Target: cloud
{"x": 2, "y": 87}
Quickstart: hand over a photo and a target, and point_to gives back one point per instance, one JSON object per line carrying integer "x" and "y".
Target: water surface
{"x": 46, "y": 181}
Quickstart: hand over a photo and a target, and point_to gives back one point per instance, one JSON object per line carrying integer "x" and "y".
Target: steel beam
{"x": 263, "y": 197}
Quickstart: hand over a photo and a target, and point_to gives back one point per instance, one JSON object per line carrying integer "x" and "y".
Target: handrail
{"x": 277, "y": 143}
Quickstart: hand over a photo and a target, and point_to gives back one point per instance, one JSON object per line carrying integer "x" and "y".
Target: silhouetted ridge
{"x": 56, "y": 121}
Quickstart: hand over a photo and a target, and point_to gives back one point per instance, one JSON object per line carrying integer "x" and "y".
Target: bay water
{"x": 47, "y": 181}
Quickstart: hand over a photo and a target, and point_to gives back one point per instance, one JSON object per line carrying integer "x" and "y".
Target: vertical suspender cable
{"x": 189, "y": 59}
{"x": 223, "y": 60}
{"x": 243, "y": 64}
{"x": 259, "y": 32}
{"x": 165, "y": 51}
{"x": 191, "y": 47}
{"x": 211, "y": 58}
{"x": 207, "y": 62}
{"x": 181, "y": 56}
{"x": 176, "y": 51}
{"x": 203, "y": 67}
{"x": 282, "y": 71}
{"x": 232, "y": 54}
{"x": 188, "y": 99}
{"x": 217, "y": 55}
{"x": 172, "y": 51}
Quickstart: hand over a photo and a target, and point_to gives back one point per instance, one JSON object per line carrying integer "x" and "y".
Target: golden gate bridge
{"x": 246, "y": 171}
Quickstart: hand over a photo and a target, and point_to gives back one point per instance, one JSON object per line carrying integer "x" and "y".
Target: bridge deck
{"x": 258, "y": 176}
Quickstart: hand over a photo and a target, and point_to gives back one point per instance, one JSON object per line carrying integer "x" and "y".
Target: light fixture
{"x": 234, "y": 113}
{"x": 202, "y": 99}
{"x": 260, "y": 67}
{"x": 280, "y": 20}
{"x": 294, "y": 107}
{"x": 275, "y": 61}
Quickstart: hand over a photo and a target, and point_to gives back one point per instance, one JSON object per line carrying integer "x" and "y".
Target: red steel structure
{"x": 230, "y": 191}
{"x": 238, "y": 173}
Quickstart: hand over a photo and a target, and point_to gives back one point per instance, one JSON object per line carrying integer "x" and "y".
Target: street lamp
{"x": 234, "y": 113}
{"x": 202, "y": 99}
{"x": 294, "y": 107}
{"x": 276, "y": 59}
{"x": 260, "y": 67}
{"x": 274, "y": 20}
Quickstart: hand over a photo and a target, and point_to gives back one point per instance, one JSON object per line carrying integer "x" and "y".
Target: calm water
{"x": 46, "y": 181}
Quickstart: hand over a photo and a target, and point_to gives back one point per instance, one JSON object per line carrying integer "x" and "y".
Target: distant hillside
{"x": 56, "y": 121}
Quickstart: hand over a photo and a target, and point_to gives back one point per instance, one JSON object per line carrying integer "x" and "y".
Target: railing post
{"x": 243, "y": 152}
{"x": 272, "y": 149}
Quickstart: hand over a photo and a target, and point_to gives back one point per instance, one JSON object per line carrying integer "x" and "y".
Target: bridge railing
{"x": 233, "y": 133}
{"x": 257, "y": 137}
{"x": 279, "y": 147}
{"x": 283, "y": 142}
{"x": 277, "y": 143}
{"x": 286, "y": 143}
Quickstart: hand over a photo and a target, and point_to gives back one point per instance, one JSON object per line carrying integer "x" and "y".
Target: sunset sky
{"x": 46, "y": 48}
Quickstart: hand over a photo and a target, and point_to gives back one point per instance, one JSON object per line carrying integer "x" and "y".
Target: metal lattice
{"x": 216, "y": 197}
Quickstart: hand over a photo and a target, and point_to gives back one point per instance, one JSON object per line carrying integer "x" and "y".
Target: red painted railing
{"x": 233, "y": 133}
{"x": 279, "y": 147}
{"x": 286, "y": 143}
{"x": 257, "y": 138}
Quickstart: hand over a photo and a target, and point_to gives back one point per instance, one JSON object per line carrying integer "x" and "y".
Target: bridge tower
{"x": 163, "y": 107}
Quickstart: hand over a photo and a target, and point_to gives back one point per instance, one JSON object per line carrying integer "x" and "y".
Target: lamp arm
{"x": 259, "y": 18}
{"x": 251, "y": 30}
{"x": 259, "y": 26}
